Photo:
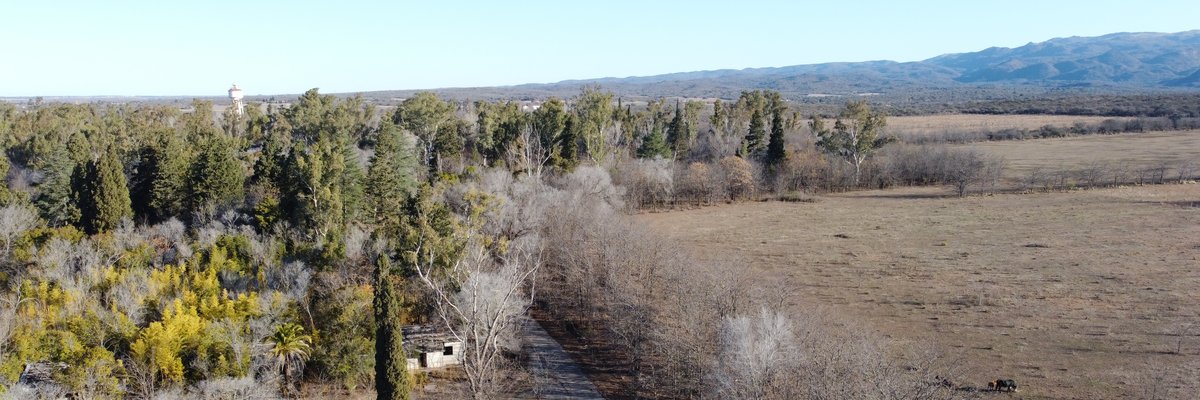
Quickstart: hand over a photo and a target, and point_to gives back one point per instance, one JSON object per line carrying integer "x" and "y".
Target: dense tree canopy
{"x": 178, "y": 246}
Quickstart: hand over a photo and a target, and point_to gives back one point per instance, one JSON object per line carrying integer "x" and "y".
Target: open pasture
{"x": 968, "y": 123}
{"x": 1116, "y": 154}
{"x": 1075, "y": 295}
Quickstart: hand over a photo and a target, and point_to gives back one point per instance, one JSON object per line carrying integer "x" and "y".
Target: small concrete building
{"x": 430, "y": 347}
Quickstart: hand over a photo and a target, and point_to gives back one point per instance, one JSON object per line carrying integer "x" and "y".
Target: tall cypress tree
{"x": 104, "y": 200}
{"x": 568, "y": 153}
{"x": 776, "y": 152}
{"x": 677, "y": 135}
{"x": 391, "y": 365}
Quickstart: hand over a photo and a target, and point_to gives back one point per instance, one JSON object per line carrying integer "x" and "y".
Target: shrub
{"x": 695, "y": 184}
{"x": 648, "y": 183}
{"x": 737, "y": 178}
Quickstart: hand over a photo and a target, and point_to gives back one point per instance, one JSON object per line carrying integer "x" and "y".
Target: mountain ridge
{"x": 1115, "y": 63}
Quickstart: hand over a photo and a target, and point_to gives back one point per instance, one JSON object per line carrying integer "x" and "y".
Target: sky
{"x": 199, "y": 48}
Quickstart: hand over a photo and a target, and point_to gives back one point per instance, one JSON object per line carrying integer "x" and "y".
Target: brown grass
{"x": 959, "y": 123}
{"x": 1132, "y": 151}
{"x": 1072, "y": 294}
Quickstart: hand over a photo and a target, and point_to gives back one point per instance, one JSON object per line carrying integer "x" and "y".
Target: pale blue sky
{"x": 54, "y": 48}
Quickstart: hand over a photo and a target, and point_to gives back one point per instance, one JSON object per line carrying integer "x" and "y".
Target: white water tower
{"x": 235, "y": 97}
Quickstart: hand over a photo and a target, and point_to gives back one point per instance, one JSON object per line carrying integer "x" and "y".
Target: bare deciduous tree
{"x": 757, "y": 358}
{"x": 484, "y": 313}
{"x": 14, "y": 221}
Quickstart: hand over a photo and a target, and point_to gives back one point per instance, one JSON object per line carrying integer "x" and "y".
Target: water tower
{"x": 235, "y": 97}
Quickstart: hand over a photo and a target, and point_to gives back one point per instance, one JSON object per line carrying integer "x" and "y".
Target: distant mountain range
{"x": 1114, "y": 63}
{"x": 1118, "y": 63}
{"x": 1136, "y": 59}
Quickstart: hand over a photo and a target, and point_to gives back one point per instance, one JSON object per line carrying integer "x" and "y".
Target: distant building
{"x": 235, "y": 98}
{"x": 430, "y": 347}
{"x": 530, "y": 106}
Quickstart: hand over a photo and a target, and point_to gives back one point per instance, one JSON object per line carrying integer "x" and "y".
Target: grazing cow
{"x": 1003, "y": 385}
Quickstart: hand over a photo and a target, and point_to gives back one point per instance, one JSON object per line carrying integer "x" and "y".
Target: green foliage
{"x": 55, "y": 200}
{"x": 677, "y": 133}
{"x": 391, "y": 365}
{"x": 654, "y": 145}
{"x": 448, "y": 145}
{"x": 429, "y": 233}
{"x": 312, "y": 195}
{"x": 500, "y": 126}
{"x": 856, "y": 134}
{"x": 168, "y": 163}
{"x": 424, "y": 115}
{"x": 268, "y": 167}
{"x": 776, "y": 150}
{"x": 6, "y": 195}
{"x": 266, "y": 212}
{"x": 344, "y": 347}
{"x": 290, "y": 348}
{"x": 594, "y": 109}
{"x": 104, "y": 194}
{"x": 216, "y": 176}
{"x": 198, "y": 125}
{"x": 567, "y": 156}
{"x": 755, "y": 141}
{"x": 391, "y": 176}
{"x": 548, "y": 123}
{"x": 321, "y": 182}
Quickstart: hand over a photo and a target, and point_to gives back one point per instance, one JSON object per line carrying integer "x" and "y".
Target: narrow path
{"x": 555, "y": 373}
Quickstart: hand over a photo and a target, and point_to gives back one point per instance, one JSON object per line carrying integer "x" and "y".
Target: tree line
{"x": 151, "y": 251}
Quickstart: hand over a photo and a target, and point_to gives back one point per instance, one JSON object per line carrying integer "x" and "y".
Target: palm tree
{"x": 290, "y": 348}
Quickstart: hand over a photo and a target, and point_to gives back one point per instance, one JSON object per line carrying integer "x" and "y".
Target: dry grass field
{"x": 954, "y": 123}
{"x": 1075, "y": 295}
{"x": 1129, "y": 151}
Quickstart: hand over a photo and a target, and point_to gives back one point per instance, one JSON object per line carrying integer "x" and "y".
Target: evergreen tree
{"x": 267, "y": 169}
{"x": 653, "y": 145}
{"x": 352, "y": 176}
{"x": 55, "y": 200}
{"x": 776, "y": 152}
{"x": 216, "y": 175}
{"x": 448, "y": 145}
{"x": 141, "y": 181}
{"x": 391, "y": 365}
{"x": 754, "y": 142}
{"x": 104, "y": 200}
{"x": 169, "y": 185}
{"x": 198, "y": 126}
{"x": 568, "y": 152}
{"x": 547, "y": 123}
{"x": 677, "y": 134}
{"x": 312, "y": 189}
{"x": 390, "y": 178}
{"x": 6, "y": 195}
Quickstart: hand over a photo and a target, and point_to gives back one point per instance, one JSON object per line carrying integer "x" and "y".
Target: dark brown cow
{"x": 1003, "y": 385}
